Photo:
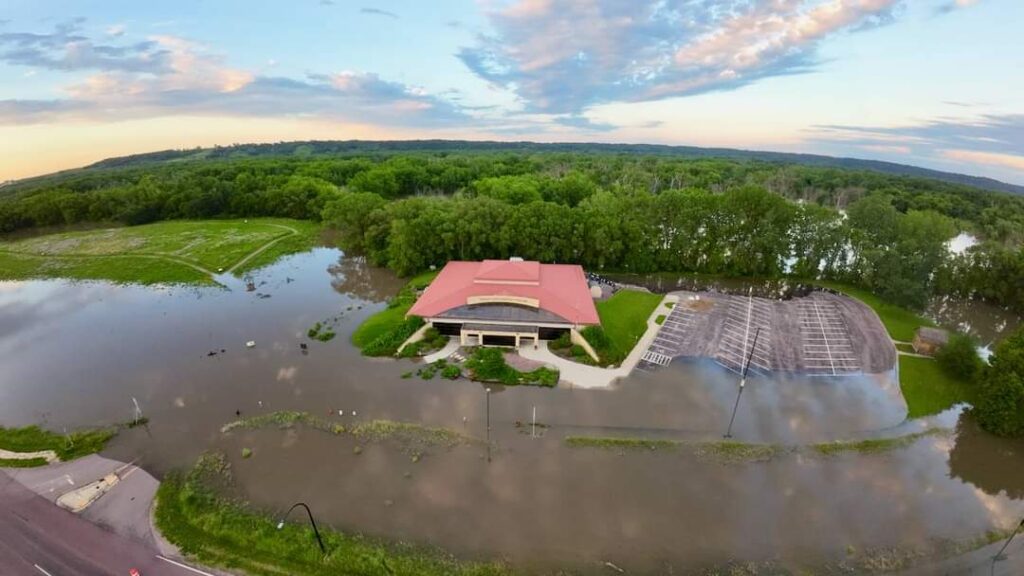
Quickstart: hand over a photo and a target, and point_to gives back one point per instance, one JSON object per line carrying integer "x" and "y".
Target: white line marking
{"x": 41, "y": 570}
{"x": 186, "y": 567}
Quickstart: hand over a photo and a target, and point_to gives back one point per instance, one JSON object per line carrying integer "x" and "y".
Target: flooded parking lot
{"x": 76, "y": 354}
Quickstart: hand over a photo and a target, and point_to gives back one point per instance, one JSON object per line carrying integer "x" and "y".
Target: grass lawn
{"x": 927, "y": 389}
{"x": 900, "y": 322}
{"x": 181, "y": 251}
{"x": 390, "y": 318}
{"x": 222, "y": 533}
{"x": 624, "y": 320}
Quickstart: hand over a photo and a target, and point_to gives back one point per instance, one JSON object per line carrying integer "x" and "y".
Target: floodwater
{"x": 75, "y": 354}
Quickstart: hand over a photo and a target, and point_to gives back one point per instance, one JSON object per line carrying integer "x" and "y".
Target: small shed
{"x": 929, "y": 340}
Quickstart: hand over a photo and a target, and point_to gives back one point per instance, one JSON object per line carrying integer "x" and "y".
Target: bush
{"x": 959, "y": 357}
{"x": 488, "y": 364}
{"x": 562, "y": 342}
{"x": 451, "y": 372}
{"x": 596, "y": 337}
{"x": 578, "y": 350}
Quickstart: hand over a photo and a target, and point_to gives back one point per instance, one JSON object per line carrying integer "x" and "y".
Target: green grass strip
{"x": 221, "y": 533}
{"x": 899, "y": 322}
{"x": 928, "y": 389}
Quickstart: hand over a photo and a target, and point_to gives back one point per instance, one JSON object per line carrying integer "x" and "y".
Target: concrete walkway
{"x": 448, "y": 350}
{"x": 583, "y": 376}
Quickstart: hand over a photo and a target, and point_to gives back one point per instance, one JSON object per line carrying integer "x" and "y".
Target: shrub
{"x": 451, "y": 372}
{"x": 562, "y": 342}
{"x": 959, "y": 357}
{"x": 596, "y": 337}
{"x": 578, "y": 350}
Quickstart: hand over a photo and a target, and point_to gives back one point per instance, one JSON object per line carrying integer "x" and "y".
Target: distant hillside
{"x": 354, "y": 147}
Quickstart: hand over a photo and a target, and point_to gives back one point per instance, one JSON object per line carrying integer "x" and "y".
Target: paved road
{"x": 38, "y": 538}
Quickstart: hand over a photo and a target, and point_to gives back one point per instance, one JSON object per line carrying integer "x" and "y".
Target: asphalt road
{"x": 38, "y": 538}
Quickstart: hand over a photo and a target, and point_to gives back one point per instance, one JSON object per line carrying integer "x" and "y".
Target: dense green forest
{"x": 606, "y": 211}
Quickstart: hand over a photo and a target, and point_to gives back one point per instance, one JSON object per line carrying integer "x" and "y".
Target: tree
{"x": 959, "y": 357}
{"x": 350, "y": 214}
{"x": 1000, "y": 409}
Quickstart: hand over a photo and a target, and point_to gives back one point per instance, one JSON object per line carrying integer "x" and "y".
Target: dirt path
{"x": 257, "y": 251}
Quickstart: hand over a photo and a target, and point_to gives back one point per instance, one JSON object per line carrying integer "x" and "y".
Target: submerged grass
{"x": 405, "y": 433}
{"x": 732, "y": 451}
{"x": 219, "y": 532}
{"x": 284, "y": 419}
{"x": 875, "y": 445}
{"x": 621, "y": 443}
{"x": 171, "y": 252}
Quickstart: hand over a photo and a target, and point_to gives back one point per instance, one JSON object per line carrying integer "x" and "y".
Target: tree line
{"x": 605, "y": 211}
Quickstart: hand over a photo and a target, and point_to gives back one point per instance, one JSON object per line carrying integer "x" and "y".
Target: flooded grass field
{"x": 75, "y": 354}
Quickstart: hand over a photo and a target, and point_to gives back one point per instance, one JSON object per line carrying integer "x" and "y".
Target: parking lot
{"x": 822, "y": 334}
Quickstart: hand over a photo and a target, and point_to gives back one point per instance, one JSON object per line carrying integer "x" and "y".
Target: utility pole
{"x": 743, "y": 383}
{"x": 488, "y": 396}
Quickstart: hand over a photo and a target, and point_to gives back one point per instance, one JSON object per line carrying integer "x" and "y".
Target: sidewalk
{"x": 584, "y": 376}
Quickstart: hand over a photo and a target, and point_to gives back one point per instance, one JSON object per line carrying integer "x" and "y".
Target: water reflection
{"x": 75, "y": 354}
{"x": 995, "y": 465}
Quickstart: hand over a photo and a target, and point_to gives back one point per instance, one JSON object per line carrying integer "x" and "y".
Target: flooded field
{"x": 76, "y": 354}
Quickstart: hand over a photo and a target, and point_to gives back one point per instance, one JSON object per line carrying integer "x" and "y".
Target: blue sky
{"x": 935, "y": 83}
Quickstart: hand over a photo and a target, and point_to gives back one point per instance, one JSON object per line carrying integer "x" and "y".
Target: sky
{"x": 932, "y": 83}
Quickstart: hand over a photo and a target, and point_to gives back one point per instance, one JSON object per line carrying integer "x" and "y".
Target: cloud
{"x": 378, "y": 12}
{"x": 1000, "y": 134}
{"x": 1012, "y": 161}
{"x": 947, "y": 7}
{"x": 564, "y": 56}
{"x": 192, "y": 79}
{"x": 66, "y": 49}
{"x": 992, "y": 140}
{"x": 116, "y": 30}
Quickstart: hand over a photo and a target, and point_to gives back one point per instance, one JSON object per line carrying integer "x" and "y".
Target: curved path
{"x": 259, "y": 250}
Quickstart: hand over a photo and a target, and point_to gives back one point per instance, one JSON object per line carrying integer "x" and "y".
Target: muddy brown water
{"x": 75, "y": 354}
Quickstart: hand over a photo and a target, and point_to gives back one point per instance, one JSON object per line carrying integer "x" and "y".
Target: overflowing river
{"x": 76, "y": 354}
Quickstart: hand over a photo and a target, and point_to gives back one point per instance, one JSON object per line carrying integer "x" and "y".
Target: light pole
{"x": 319, "y": 541}
{"x": 743, "y": 383}
{"x": 999, "y": 557}
{"x": 487, "y": 394}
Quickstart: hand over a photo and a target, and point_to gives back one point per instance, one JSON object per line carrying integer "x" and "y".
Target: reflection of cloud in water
{"x": 287, "y": 373}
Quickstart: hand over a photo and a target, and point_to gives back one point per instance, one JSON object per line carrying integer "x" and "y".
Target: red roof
{"x": 559, "y": 288}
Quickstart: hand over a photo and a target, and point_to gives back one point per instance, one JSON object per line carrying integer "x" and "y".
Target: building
{"x": 928, "y": 340}
{"x": 507, "y": 302}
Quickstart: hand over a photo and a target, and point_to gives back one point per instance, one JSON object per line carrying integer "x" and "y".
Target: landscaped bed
{"x": 489, "y": 365}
